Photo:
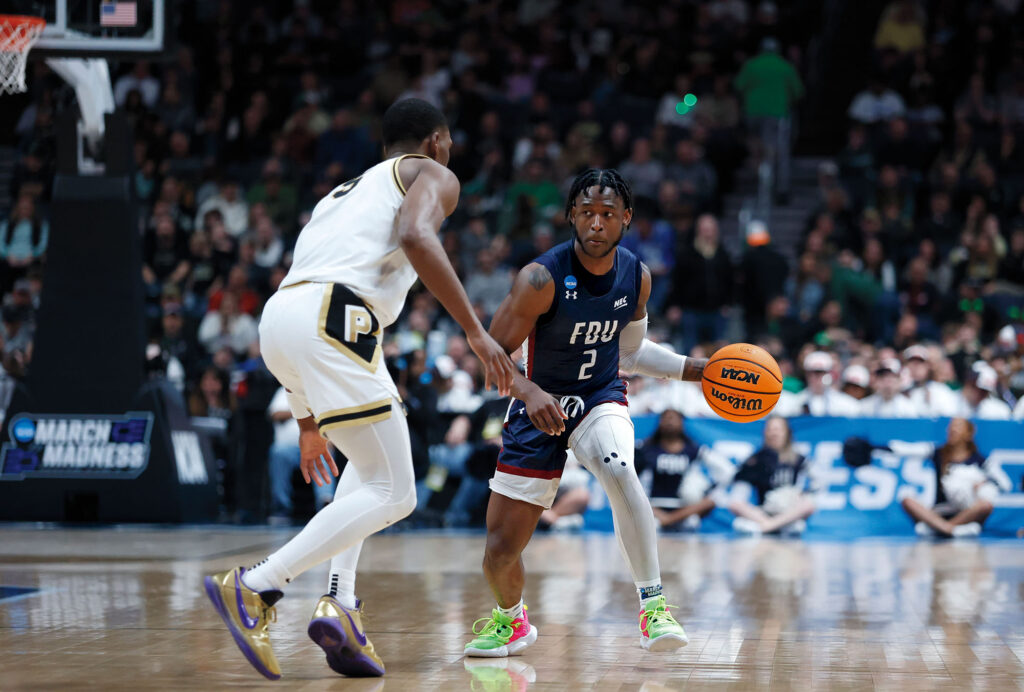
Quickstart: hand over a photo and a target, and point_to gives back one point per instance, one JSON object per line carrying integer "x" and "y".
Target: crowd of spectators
{"x": 263, "y": 108}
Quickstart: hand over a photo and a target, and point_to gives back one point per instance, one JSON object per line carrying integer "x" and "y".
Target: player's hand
{"x": 498, "y": 367}
{"x": 545, "y": 412}
{"x": 315, "y": 459}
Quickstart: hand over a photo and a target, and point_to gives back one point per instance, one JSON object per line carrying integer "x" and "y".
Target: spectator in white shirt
{"x": 876, "y": 104}
{"x": 455, "y": 388}
{"x": 139, "y": 79}
{"x": 820, "y": 398}
{"x": 887, "y": 402}
{"x": 856, "y": 382}
{"x": 228, "y": 326}
{"x": 269, "y": 246}
{"x": 978, "y": 398}
{"x": 685, "y": 397}
{"x": 234, "y": 210}
{"x": 932, "y": 398}
{"x": 284, "y": 459}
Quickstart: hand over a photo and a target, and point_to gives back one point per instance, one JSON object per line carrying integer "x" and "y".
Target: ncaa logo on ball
{"x": 570, "y": 282}
{"x": 740, "y": 375}
{"x": 23, "y": 430}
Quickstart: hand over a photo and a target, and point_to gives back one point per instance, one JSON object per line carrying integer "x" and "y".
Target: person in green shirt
{"x": 279, "y": 197}
{"x": 770, "y": 86}
{"x": 541, "y": 193}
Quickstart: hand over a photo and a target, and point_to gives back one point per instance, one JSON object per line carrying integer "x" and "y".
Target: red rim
{"x": 32, "y": 26}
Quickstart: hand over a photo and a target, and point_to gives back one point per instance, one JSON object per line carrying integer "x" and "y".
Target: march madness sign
{"x": 76, "y": 446}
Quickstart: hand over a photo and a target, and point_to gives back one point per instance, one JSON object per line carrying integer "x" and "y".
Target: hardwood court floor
{"x": 123, "y": 608}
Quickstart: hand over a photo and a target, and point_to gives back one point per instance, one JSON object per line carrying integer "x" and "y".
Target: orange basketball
{"x": 742, "y": 382}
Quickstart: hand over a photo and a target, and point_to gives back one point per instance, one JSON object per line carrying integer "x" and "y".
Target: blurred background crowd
{"x": 887, "y": 282}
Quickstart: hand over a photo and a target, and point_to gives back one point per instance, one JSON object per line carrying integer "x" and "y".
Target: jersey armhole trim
{"x": 549, "y": 314}
{"x": 394, "y": 170}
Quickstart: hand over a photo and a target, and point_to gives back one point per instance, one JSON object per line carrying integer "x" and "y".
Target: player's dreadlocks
{"x": 600, "y": 178}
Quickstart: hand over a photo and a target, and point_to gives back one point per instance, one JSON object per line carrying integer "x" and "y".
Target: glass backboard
{"x": 97, "y": 28}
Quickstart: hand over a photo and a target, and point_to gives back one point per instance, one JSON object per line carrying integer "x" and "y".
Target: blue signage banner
{"x": 76, "y": 446}
{"x": 862, "y": 501}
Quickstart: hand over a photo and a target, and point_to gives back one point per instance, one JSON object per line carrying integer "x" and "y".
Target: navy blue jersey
{"x": 574, "y": 347}
{"x": 975, "y": 459}
{"x": 765, "y": 472}
{"x": 667, "y": 468}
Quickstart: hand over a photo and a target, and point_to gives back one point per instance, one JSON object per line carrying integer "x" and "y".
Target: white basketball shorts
{"x": 322, "y": 343}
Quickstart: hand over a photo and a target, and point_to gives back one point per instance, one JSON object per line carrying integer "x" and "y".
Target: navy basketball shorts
{"x": 531, "y": 462}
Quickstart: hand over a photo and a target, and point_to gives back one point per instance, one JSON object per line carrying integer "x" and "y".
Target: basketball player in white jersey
{"x": 320, "y": 335}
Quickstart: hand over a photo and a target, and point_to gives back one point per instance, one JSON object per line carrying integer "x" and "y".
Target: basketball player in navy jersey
{"x": 581, "y": 309}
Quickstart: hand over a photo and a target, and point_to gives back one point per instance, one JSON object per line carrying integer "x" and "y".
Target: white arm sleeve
{"x": 640, "y": 356}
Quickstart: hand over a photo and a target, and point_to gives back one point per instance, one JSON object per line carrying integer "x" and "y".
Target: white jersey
{"x": 352, "y": 239}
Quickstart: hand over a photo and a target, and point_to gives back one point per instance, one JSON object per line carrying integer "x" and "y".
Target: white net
{"x": 17, "y": 35}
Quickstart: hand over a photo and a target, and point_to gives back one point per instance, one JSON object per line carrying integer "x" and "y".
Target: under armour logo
{"x": 570, "y": 294}
{"x": 572, "y": 405}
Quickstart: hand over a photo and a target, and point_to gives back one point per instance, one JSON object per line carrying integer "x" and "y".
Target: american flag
{"x": 118, "y": 14}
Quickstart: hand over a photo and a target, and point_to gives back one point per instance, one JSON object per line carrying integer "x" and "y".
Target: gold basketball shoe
{"x": 235, "y": 603}
{"x": 339, "y": 632}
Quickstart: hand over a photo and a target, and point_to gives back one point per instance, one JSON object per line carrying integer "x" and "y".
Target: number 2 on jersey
{"x": 592, "y": 353}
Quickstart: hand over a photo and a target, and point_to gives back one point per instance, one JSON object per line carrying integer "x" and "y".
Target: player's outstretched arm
{"x": 433, "y": 193}
{"x": 516, "y": 317}
{"x": 641, "y": 356}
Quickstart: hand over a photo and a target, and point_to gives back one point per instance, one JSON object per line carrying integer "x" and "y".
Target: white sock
{"x": 515, "y": 612}
{"x": 648, "y": 590}
{"x": 268, "y": 575}
{"x": 342, "y": 585}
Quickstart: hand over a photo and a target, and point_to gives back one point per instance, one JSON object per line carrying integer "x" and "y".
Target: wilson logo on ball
{"x": 740, "y": 375}
{"x": 739, "y": 403}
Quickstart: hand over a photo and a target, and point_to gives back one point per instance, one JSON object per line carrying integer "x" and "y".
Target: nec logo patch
{"x": 620, "y": 303}
{"x": 740, "y": 375}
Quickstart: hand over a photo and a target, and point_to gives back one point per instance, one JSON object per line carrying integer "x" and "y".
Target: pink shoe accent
{"x": 643, "y": 622}
{"x": 520, "y": 627}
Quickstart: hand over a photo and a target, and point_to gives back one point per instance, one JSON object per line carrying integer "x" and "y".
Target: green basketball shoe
{"x": 500, "y": 635}
{"x": 659, "y": 631}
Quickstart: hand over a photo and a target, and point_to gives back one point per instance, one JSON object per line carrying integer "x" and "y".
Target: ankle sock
{"x": 648, "y": 590}
{"x": 515, "y": 612}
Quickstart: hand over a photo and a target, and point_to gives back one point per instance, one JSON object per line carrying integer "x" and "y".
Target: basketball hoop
{"x": 17, "y": 36}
